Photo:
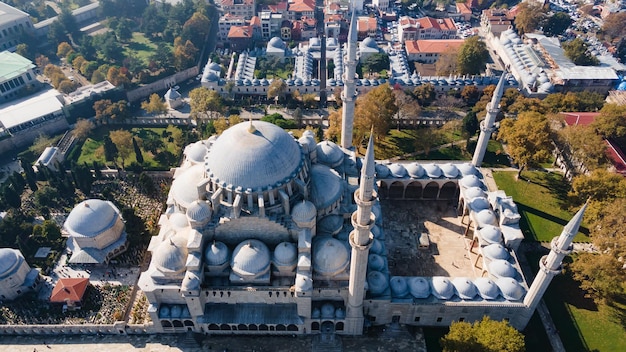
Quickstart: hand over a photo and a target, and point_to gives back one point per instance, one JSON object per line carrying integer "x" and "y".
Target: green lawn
{"x": 540, "y": 201}
{"x": 142, "y": 47}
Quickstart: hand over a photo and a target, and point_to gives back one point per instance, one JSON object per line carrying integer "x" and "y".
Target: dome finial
{"x": 251, "y": 129}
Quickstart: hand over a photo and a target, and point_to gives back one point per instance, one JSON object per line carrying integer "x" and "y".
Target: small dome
{"x": 303, "y": 212}
{"x": 375, "y": 262}
{"x": 330, "y": 257}
{"x": 199, "y": 211}
{"x": 377, "y": 232}
{"x": 478, "y": 203}
{"x": 308, "y": 142}
{"x": 316, "y": 314}
{"x": 304, "y": 283}
{"x": 377, "y": 247}
{"x": 382, "y": 171}
{"x": 214, "y": 66}
{"x": 171, "y": 255}
{"x": 328, "y": 311}
{"x": 471, "y": 181}
{"x": 285, "y": 254}
{"x": 91, "y": 217}
{"x": 326, "y": 186}
{"x": 442, "y": 288}
{"x": 216, "y": 253}
{"x": 340, "y": 313}
{"x": 511, "y": 289}
{"x": 473, "y": 192}
{"x": 419, "y": 287}
{"x": 330, "y": 224}
{"x": 277, "y": 43}
{"x": 487, "y": 288}
{"x": 176, "y": 311}
{"x": 502, "y": 268}
{"x": 465, "y": 288}
{"x": 449, "y": 170}
{"x": 195, "y": 152}
{"x": 329, "y": 153}
{"x": 171, "y": 94}
{"x": 250, "y": 258}
{"x": 377, "y": 282}
{"x": 415, "y": 170}
{"x": 491, "y": 234}
{"x": 179, "y": 221}
{"x": 183, "y": 188}
{"x": 399, "y": 287}
{"x": 164, "y": 311}
{"x": 495, "y": 251}
{"x": 486, "y": 217}
{"x": 397, "y": 170}
{"x": 211, "y": 77}
{"x": 369, "y": 42}
{"x": 432, "y": 170}
{"x": 9, "y": 259}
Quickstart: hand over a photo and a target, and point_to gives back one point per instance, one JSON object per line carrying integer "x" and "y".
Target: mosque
{"x": 266, "y": 234}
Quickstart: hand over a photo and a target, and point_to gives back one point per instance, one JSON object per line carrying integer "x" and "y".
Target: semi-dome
{"x": 397, "y": 170}
{"x": 303, "y": 212}
{"x": 511, "y": 289}
{"x": 478, "y": 203}
{"x": 328, "y": 311}
{"x": 326, "y": 186}
{"x": 449, "y": 170}
{"x": 399, "y": 287}
{"x": 199, "y": 211}
{"x": 486, "y": 217}
{"x": 329, "y": 153}
{"x": 91, "y": 217}
{"x": 330, "y": 256}
{"x": 277, "y": 43}
{"x": 502, "y": 268}
{"x": 332, "y": 224}
{"x": 419, "y": 287}
{"x": 442, "y": 288}
{"x": 195, "y": 152}
{"x": 473, "y": 192}
{"x": 214, "y": 66}
{"x": 432, "y": 170}
{"x": 307, "y": 141}
{"x": 250, "y": 258}
{"x": 285, "y": 254}
{"x": 171, "y": 255}
{"x": 211, "y": 77}
{"x": 179, "y": 221}
{"x": 184, "y": 189}
{"x": 495, "y": 251}
{"x": 382, "y": 171}
{"x": 216, "y": 253}
{"x": 9, "y": 259}
{"x": 377, "y": 282}
{"x": 414, "y": 170}
{"x": 375, "y": 262}
{"x": 491, "y": 234}
{"x": 254, "y": 156}
{"x": 487, "y": 289}
{"x": 471, "y": 181}
{"x": 464, "y": 288}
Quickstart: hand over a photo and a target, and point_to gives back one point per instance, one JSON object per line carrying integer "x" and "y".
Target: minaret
{"x": 361, "y": 240}
{"x": 487, "y": 125}
{"x": 348, "y": 96}
{"x": 550, "y": 265}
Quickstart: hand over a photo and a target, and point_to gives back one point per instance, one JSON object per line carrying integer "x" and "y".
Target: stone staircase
{"x": 326, "y": 342}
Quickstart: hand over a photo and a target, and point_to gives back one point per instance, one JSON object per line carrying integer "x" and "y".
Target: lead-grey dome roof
{"x": 487, "y": 288}
{"x": 375, "y": 262}
{"x": 329, "y": 153}
{"x": 254, "y": 156}
{"x": 250, "y": 257}
{"x": 184, "y": 189}
{"x": 377, "y": 282}
{"x": 419, "y": 287}
{"x": 9, "y": 259}
{"x": 332, "y": 224}
{"x": 171, "y": 255}
{"x": 326, "y": 186}
{"x": 491, "y": 234}
{"x": 510, "y": 289}
{"x": 442, "y": 288}
{"x": 285, "y": 254}
{"x": 399, "y": 287}
{"x": 216, "y": 253}
{"x": 330, "y": 256}
{"x": 91, "y": 217}
{"x": 303, "y": 212}
{"x": 502, "y": 268}
{"x": 414, "y": 170}
{"x": 199, "y": 211}
{"x": 465, "y": 288}
{"x": 495, "y": 251}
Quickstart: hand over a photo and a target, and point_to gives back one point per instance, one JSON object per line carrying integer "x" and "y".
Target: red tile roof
{"x": 278, "y": 8}
{"x": 69, "y": 289}
{"x": 366, "y": 24}
{"x": 617, "y": 157}
{"x": 579, "y": 118}
{"x": 240, "y": 32}
{"x": 463, "y": 8}
{"x": 302, "y": 6}
{"x": 437, "y": 46}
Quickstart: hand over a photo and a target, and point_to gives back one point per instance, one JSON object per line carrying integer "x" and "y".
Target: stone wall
{"x": 162, "y": 84}
{"x": 26, "y": 137}
{"x": 118, "y": 328}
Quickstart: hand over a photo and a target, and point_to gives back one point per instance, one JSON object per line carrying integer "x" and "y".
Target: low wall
{"x": 162, "y": 84}
{"x": 118, "y": 328}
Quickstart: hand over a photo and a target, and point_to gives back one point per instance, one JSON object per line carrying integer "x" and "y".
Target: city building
{"x": 244, "y": 8}
{"x": 366, "y": 27}
{"x": 301, "y": 8}
{"x": 428, "y": 51}
{"x": 224, "y": 24}
{"x": 381, "y": 5}
{"x": 13, "y": 23}
{"x": 496, "y": 21}
{"x": 425, "y": 28}
{"x": 96, "y": 232}
{"x": 16, "y": 76}
{"x": 240, "y": 37}
{"x": 69, "y": 291}
{"x": 16, "y": 277}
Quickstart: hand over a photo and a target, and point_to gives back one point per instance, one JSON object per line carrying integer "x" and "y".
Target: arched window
{"x": 281, "y": 327}
{"x": 225, "y": 327}
{"x": 214, "y": 327}
{"x": 166, "y": 324}
{"x": 431, "y": 190}
{"x": 253, "y": 327}
{"x": 292, "y": 327}
{"x": 396, "y": 190}
{"x": 339, "y": 326}
{"x": 263, "y": 327}
{"x": 188, "y": 323}
{"x": 315, "y": 326}
{"x": 448, "y": 191}
{"x": 177, "y": 324}
{"x": 413, "y": 190}
{"x": 242, "y": 327}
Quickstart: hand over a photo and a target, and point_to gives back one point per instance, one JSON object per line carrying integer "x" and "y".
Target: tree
{"x": 425, "y": 94}
{"x": 124, "y": 30}
{"x": 309, "y": 100}
{"x": 23, "y": 50}
{"x": 196, "y": 28}
{"x": 376, "y": 63}
{"x": 473, "y": 56}
{"x": 155, "y": 105}
{"x": 585, "y": 145}
{"x": 527, "y": 138}
{"x": 446, "y": 64}
{"x": 204, "y": 101}
{"x": 426, "y": 138}
{"x": 220, "y": 125}
{"x": 138, "y": 154}
{"x": 123, "y": 142}
{"x": 276, "y": 89}
{"x": 376, "y": 108}
{"x": 613, "y": 25}
{"x": 63, "y": 49}
{"x": 66, "y": 86}
{"x": 117, "y": 77}
{"x": 601, "y": 185}
{"x": 469, "y": 126}
{"x": 529, "y": 17}
{"x": 611, "y": 122}
{"x": 42, "y": 61}
{"x": 557, "y": 24}
{"x": 234, "y": 119}
{"x": 577, "y": 51}
{"x": 162, "y": 56}
{"x": 82, "y": 129}
{"x": 184, "y": 54}
{"x": 486, "y": 336}
{"x": 110, "y": 150}
{"x": 470, "y": 94}
{"x": 408, "y": 107}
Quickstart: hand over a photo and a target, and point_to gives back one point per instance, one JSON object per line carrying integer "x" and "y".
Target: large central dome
{"x": 254, "y": 155}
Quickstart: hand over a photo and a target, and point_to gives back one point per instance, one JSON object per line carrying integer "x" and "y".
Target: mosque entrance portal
{"x": 328, "y": 327}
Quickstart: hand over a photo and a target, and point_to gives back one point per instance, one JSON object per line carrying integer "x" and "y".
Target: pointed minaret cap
{"x": 368, "y": 161}
{"x": 498, "y": 92}
{"x": 251, "y": 128}
{"x": 352, "y": 33}
{"x": 571, "y": 229}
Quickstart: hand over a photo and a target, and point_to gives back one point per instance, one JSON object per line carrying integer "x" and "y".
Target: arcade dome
{"x": 510, "y": 289}
{"x": 377, "y": 282}
{"x": 465, "y": 288}
{"x": 487, "y": 288}
{"x": 419, "y": 287}
{"x": 442, "y": 288}
{"x": 303, "y": 212}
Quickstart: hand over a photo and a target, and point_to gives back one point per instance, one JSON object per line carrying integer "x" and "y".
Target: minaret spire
{"x": 361, "y": 240}
{"x": 550, "y": 265}
{"x": 487, "y": 125}
{"x": 348, "y": 96}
